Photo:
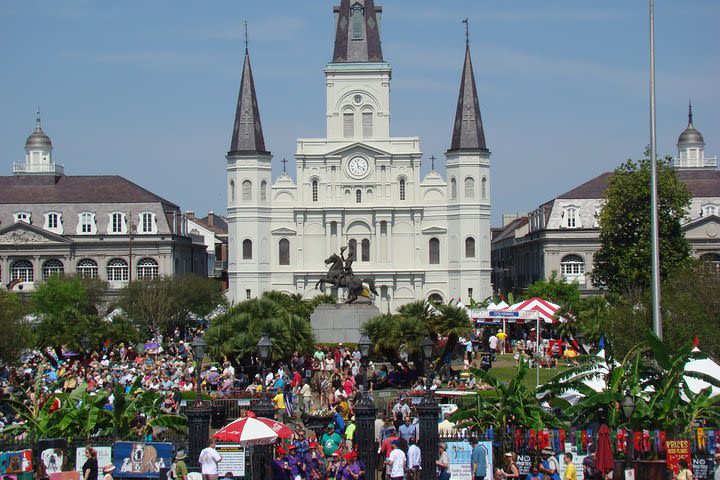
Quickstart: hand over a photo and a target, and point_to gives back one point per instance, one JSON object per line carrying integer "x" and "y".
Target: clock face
{"x": 358, "y": 166}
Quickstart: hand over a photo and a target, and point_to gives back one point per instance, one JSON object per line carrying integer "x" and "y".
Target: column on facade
{"x": 338, "y": 235}
{"x": 4, "y": 272}
{"x": 389, "y": 241}
{"x": 328, "y": 235}
{"x": 377, "y": 241}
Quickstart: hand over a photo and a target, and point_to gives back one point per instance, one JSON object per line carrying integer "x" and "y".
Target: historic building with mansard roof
{"x": 562, "y": 235}
{"x": 97, "y": 226}
{"x": 419, "y": 237}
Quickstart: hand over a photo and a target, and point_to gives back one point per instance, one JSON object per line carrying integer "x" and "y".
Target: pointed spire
{"x": 357, "y": 32}
{"x": 689, "y": 112}
{"x": 247, "y": 132}
{"x": 468, "y": 131}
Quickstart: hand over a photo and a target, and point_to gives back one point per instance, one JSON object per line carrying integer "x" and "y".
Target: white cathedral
{"x": 419, "y": 238}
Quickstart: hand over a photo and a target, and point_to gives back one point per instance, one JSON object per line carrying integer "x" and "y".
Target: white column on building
{"x": 328, "y": 234}
{"x": 377, "y": 241}
{"x": 389, "y": 241}
{"x": 338, "y": 235}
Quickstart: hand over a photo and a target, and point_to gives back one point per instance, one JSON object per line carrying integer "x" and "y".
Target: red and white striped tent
{"x": 545, "y": 310}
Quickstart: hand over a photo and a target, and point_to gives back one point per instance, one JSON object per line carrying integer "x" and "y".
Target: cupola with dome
{"x": 691, "y": 147}
{"x": 38, "y": 154}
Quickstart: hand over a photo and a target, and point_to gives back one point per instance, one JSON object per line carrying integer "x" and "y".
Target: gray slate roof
{"x": 44, "y": 189}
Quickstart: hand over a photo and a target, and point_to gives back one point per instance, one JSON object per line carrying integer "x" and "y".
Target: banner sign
{"x": 52, "y": 456}
{"x": 677, "y": 449}
{"x": 140, "y": 459}
{"x": 459, "y": 453}
{"x": 104, "y": 457}
{"x": 233, "y": 459}
{"x": 16, "y": 462}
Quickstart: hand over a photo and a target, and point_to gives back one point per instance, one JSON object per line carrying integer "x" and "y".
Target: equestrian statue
{"x": 341, "y": 275}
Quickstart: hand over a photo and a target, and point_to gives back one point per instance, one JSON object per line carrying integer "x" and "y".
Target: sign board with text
{"x": 677, "y": 448}
{"x": 233, "y": 459}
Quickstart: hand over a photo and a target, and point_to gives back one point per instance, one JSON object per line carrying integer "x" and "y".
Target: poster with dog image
{"x": 52, "y": 456}
{"x": 140, "y": 459}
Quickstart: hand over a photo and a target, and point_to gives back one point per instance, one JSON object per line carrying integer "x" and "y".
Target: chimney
{"x": 508, "y": 217}
{"x": 190, "y": 215}
{"x": 211, "y": 218}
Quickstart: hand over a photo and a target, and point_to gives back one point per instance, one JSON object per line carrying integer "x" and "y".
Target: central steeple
{"x": 468, "y": 133}
{"x": 357, "y": 32}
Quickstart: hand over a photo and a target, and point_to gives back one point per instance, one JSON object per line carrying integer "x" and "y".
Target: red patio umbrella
{"x": 604, "y": 460}
{"x": 253, "y": 431}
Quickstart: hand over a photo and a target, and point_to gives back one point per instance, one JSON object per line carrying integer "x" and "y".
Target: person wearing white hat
{"x": 107, "y": 470}
{"x": 179, "y": 467}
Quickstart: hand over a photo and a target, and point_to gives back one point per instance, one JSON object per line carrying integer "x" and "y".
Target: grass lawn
{"x": 504, "y": 370}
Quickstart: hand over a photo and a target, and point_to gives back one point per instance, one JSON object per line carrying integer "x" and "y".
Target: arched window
{"x": 53, "y": 221}
{"x": 147, "y": 268}
{"x": 314, "y": 190}
{"x": 358, "y": 196}
{"x": 117, "y": 223}
{"x": 117, "y": 270}
{"x": 365, "y": 246}
{"x": 435, "y": 299}
{"x": 23, "y": 270}
{"x": 712, "y": 258}
{"x": 434, "y": 251}
{"x": 147, "y": 222}
{"x": 86, "y": 223}
{"x": 247, "y": 249}
{"x": 453, "y": 188}
{"x": 52, "y": 267}
{"x": 352, "y": 250}
{"x": 572, "y": 266}
{"x": 470, "y": 247}
{"x": 483, "y": 186}
{"x": 348, "y": 124}
{"x": 232, "y": 190}
{"x": 284, "y": 251}
{"x": 367, "y": 124}
{"x": 402, "y": 189}
{"x": 87, "y": 268}
{"x": 356, "y": 21}
{"x": 263, "y": 190}
{"x": 469, "y": 187}
{"x": 247, "y": 190}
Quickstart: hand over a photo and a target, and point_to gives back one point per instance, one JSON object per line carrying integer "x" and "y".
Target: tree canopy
{"x": 160, "y": 304}
{"x": 623, "y": 261}
{"x": 12, "y": 313}
{"x": 554, "y": 290}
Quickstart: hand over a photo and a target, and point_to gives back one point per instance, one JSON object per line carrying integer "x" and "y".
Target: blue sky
{"x": 147, "y": 90}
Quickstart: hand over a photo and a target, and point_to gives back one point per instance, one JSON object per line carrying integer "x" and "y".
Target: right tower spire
{"x": 468, "y": 133}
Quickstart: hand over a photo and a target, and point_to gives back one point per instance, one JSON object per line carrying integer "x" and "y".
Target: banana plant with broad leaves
{"x": 511, "y": 404}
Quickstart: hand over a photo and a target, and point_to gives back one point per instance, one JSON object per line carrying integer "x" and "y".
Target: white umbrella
{"x": 705, "y": 366}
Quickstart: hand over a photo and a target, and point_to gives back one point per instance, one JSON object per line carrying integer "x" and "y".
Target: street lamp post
{"x": 85, "y": 343}
{"x": 428, "y": 411}
{"x": 628, "y": 407}
{"x": 263, "y": 407}
{"x": 198, "y": 414}
{"x": 365, "y": 412}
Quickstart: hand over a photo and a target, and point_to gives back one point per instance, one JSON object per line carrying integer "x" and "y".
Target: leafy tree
{"x": 554, "y": 290}
{"x": 623, "y": 261}
{"x": 236, "y": 333}
{"x": 12, "y": 313}
{"x": 67, "y": 309}
{"x": 160, "y": 304}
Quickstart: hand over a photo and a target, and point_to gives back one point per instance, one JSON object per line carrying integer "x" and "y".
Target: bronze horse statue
{"x": 339, "y": 278}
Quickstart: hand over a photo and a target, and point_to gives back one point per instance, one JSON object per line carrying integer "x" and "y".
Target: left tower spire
{"x": 247, "y": 131}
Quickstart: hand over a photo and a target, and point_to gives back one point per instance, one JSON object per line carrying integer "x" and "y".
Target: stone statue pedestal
{"x": 341, "y": 322}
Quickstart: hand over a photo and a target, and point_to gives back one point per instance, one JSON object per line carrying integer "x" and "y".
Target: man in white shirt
{"x": 209, "y": 459}
{"x": 493, "y": 343}
{"x": 396, "y": 460}
{"x": 413, "y": 460}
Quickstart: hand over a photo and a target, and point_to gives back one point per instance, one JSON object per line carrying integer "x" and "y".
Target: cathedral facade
{"x": 418, "y": 237}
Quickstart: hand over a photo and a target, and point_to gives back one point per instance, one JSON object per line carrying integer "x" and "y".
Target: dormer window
{"x": 571, "y": 217}
{"x": 22, "y": 217}
{"x": 86, "y": 224}
{"x": 708, "y": 210}
{"x": 117, "y": 223}
{"x": 147, "y": 223}
{"x": 53, "y": 222}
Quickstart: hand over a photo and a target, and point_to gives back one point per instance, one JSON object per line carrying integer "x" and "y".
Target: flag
{"x": 14, "y": 282}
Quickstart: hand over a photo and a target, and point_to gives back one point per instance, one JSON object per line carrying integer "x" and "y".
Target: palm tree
{"x": 452, "y": 322}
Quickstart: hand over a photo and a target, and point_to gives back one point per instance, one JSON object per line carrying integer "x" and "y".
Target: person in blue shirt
{"x": 535, "y": 473}
{"x": 478, "y": 459}
{"x": 549, "y": 466}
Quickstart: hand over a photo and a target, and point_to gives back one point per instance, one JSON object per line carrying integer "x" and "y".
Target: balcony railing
{"x": 24, "y": 168}
{"x": 219, "y": 268}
